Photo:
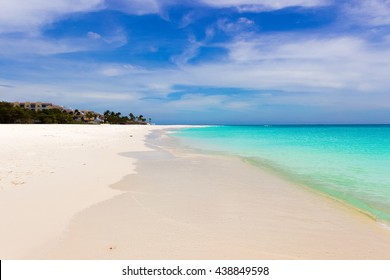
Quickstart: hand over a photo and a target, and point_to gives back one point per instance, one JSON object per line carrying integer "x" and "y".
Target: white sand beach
{"x": 49, "y": 173}
{"x": 103, "y": 192}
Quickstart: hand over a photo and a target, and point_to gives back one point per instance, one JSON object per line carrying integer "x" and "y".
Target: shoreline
{"x": 185, "y": 205}
{"x": 337, "y": 196}
{"x": 166, "y": 203}
{"x": 319, "y": 192}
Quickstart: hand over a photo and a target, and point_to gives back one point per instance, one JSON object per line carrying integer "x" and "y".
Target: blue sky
{"x": 202, "y": 61}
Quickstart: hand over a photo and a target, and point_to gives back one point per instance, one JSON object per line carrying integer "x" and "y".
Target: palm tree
{"x": 106, "y": 115}
{"x": 132, "y": 117}
{"x": 141, "y": 118}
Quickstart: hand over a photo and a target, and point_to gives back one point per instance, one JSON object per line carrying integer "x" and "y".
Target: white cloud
{"x": 74, "y": 95}
{"x": 192, "y": 48}
{"x": 262, "y": 5}
{"x": 369, "y": 12}
{"x": 94, "y": 35}
{"x": 330, "y": 72}
{"x": 36, "y": 45}
{"x": 188, "y": 19}
{"x": 246, "y": 21}
{"x": 318, "y": 71}
{"x": 240, "y": 27}
{"x": 189, "y": 52}
{"x": 296, "y": 48}
{"x": 303, "y": 64}
{"x": 13, "y": 46}
{"x": 114, "y": 70}
{"x": 139, "y": 7}
{"x": 198, "y": 101}
{"x": 104, "y": 95}
{"x": 29, "y": 16}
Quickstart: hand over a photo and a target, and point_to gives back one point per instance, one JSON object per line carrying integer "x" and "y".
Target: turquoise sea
{"x": 348, "y": 162}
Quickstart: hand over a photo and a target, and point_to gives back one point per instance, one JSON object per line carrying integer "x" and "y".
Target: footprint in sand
{"x": 16, "y": 183}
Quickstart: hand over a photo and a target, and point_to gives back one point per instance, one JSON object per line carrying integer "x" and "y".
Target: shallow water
{"x": 349, "y": 163}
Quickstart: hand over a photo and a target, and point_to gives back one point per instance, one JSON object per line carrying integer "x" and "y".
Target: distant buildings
{"x": 83, "y": 116}
{"x": 87, "y": 116}
{"x": 44, "y": 112}
{"x": 37, "y": 106}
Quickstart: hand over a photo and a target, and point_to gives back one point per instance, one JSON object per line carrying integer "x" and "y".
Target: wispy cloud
{"x": 239, "y": 27}
{"x": 300, "y": 63}
{"x": 30, "y": 16}
{"x": 114, "y": 70}
{"x": 264, "y": 5}
{"x": 138, "y": 7}
{"x": 187, "y": 19}
{"x": 189, "y": 52}
{"x": 192, "y": 48}
{"x": 316, "y": 71}
{"x": 372, "y": 12}
{"x": 19, "y": 16}
{"x": 15, "y": 45}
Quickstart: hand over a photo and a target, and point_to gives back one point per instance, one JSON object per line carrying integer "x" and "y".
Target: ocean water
{"x": 349, "y": 163}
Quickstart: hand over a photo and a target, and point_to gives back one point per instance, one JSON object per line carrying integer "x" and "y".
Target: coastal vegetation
{"x": 117, "y": 118}
{"x": 11, "y": 113}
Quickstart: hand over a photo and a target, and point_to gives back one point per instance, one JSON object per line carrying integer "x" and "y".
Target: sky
{"x": 202, "y": 61}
